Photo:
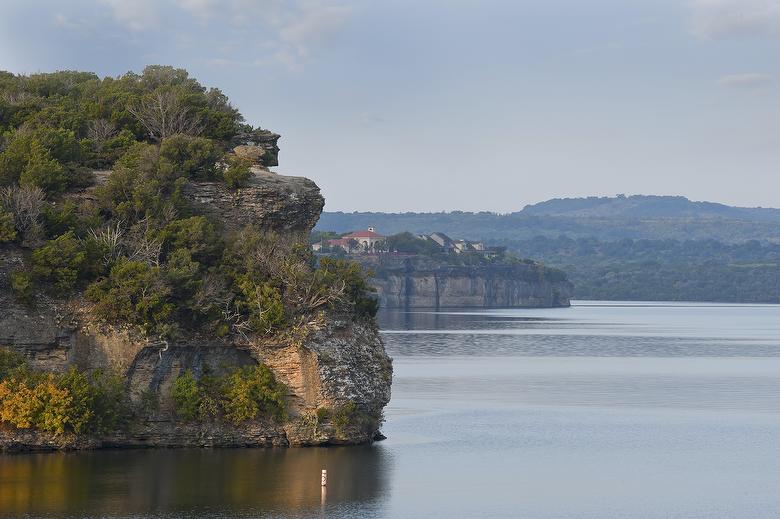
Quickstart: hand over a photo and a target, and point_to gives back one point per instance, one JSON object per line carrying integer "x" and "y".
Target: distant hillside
{"x": 644, "y": 206}
{"x": 555, "y": 220}
{"x": 639, "y": 247}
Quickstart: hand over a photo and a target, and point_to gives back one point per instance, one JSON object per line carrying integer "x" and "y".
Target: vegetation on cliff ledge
{"x": 243, "y": 394}
{"x": 136, "y": 247}
{"x": 96, "y": 403}
{"x": 78, "y": 402}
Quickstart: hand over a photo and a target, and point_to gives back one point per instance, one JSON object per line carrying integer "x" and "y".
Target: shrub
{"x": 37, "y": 157}
{"x": 22, "y": 286}
{"x": 344, "y": 414}
{"x": 252, "y": 390}
{"x": 264, "y": 304}
{"x": 59, "y": 262}
{"x": 79, "y": 411}
{"x": 110, "y": 403}
{"x": 7, "y": 228}
{"x": 42, "y": 171}
{"x": 356, "y": 288}
{"x": 74, "y": 401}
{"x": 28, "y": 400}
{"x": 24, "y": 204}
{"x": 350, "y": 415}
{"x": 193, "y": 157}
{"x": 186, "y": 396}
{"x": 242, "y": 394}
{"x": 197, "y": 235}
{"x": 134, "y": 292}
{"x": 10, "y": 361}
{"x": 237, "y": 172}
{"x": 60, "y": 218}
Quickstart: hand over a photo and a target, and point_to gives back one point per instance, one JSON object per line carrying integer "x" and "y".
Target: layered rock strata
{"x": 338, "y": 364}
{"x": 413, "y": 284}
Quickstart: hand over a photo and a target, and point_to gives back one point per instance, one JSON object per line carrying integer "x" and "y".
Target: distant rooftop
{"x": 370, "y": 233}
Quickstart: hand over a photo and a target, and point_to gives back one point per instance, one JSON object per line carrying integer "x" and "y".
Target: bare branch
{"x": 163, "y": 115}
{"x": 25, "y": 204}
{"x": 99, "y": 131}
{"x": 143, "y": 248}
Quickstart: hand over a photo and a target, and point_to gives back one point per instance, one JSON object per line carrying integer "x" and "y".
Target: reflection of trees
{"x": 120, "y": 483}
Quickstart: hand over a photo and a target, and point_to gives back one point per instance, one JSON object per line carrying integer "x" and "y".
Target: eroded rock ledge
{"x": 419, "y": 283}
{"x": 289, "y": 206}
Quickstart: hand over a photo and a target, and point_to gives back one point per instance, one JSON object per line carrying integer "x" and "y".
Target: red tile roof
{"x": 364, "y": 234}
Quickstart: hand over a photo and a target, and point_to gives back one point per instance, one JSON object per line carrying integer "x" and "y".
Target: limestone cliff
{"x": 338, "y": 363}
{"x": 421, "y": 283}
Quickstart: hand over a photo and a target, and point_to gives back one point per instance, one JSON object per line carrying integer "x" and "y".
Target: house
{"x": 360, "y": 241}
{"x": 367, "y": 241}
{"x": 460, "y": 246}
{"x": 444, "y": 241}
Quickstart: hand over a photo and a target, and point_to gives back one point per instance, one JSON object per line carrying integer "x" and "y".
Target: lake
{"x": 602, "y": 410}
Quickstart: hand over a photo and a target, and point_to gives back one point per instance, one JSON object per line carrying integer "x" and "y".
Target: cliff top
{"x": 147, "y": 199}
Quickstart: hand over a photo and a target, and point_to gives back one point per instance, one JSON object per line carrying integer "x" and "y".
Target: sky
{"x": 474, "y": 105}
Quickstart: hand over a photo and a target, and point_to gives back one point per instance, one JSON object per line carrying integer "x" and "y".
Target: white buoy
{"x": 324, "y": 477}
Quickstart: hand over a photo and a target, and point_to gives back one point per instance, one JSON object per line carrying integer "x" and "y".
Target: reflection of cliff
{"x": 418, "y": 283}
{"x": 226, "y": 482}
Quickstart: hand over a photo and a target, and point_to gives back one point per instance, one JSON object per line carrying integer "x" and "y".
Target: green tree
{"x": 253, "y": 390}
{"x": 133, "y": 292}
{"x": 7, "y": 228}
{"x": 41, "y": 170}
{"x": 237, "y": 173}
{"x": 59, "y": 262}
{"x": 186, "y": 396}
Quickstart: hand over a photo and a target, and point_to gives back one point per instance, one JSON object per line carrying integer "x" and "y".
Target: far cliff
{"x": 418, "y": 282}
{"x": 435, "y": 271}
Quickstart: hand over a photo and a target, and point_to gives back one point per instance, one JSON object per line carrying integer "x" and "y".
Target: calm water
{"x": 604, "y": 410}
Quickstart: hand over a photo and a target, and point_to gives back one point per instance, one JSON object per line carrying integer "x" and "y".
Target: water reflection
{"x": 212, "y": 482}
{"x": 612, "y": 411}
{"x": 589, "y": 330}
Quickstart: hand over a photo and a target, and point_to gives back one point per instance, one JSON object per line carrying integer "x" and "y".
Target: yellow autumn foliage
{"x": 35, "y": 402}
{"x": 74, "y": 401}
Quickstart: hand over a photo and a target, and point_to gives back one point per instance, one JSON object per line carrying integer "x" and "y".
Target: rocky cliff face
{"x": 259, "y": 146}
{"x": 425, "y": 284}
{"x": 339, "y": 364}
{"x": 289, "y": 206}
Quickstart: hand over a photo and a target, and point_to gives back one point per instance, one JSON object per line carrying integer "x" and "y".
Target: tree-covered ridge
{"x": 139, "y": 251}
{"x": 57, "y": 126}
{"x": 490, "y": 227}
{"x": 663, "y": 270}
{"x": 618, "y": 257}
{"x": 647, "y": 206}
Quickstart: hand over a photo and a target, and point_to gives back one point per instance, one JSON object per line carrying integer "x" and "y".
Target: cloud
{"x": 746, "y": 80}
{"x": 313, "y": 24}
{"x": 136, "y": 15}
{"x": 285, "y": 31}
{"x": 716, "y": 19}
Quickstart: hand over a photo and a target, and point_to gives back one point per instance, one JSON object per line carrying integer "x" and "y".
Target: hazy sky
{"x": 461, "y": 104}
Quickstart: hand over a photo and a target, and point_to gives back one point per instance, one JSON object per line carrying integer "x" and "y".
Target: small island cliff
{"x": 232, "y": 335}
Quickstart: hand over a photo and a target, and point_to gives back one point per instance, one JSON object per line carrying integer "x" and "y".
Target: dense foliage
{"x": 135, "y": 246}
{"x": 493, "y": 227}
{"x": 697, "y": 252}
{"x": 71, "y": 402}
{"x": 664, "y": 270}
{"x": 237, "y": 396}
